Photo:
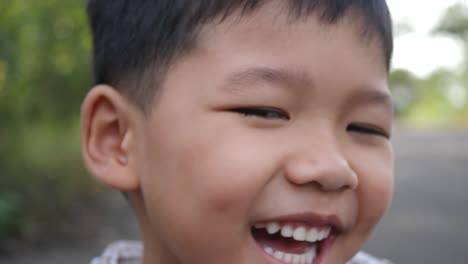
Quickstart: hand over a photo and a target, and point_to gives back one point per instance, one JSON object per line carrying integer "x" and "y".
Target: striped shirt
{"x": 131, "y": 252}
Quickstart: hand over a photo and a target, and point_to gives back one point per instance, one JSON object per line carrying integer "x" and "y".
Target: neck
{"x": 154, "y": 251}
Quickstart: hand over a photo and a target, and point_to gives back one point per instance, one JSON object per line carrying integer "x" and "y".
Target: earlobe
{"x": 107, "y": 138}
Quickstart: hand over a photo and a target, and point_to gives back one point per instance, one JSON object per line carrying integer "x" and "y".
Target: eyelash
{"x": 366, "y": 129}
{"x": 274, "y": 113}
{"x": 262, "y": 112}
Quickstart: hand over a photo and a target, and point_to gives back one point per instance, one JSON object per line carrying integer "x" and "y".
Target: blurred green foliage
{"x": 440, "y": 99}
{"x": 44, "y": 74}
{"x": 45, "y": 50}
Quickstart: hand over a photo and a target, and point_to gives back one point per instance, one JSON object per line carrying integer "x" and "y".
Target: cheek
{"x": 375, "y": 189}
{"x": 226, "y": 176}
{"x": 376, "y": 196}
{"x": 200, "y": 186}
{"x": 215, "y": 177}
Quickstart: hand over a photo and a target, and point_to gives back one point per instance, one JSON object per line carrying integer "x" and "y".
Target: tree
{"x": 442, "y": 97}
{"x": 44, "y": 75}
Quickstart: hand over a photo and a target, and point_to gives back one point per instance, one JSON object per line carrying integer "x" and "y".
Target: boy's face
{"x": 269, "y": 122}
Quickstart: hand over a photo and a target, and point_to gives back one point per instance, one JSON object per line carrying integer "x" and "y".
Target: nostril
{"x": 333, "y": 186}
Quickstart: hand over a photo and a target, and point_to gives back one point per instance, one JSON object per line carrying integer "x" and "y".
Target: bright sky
{"x": 419, "y": 51}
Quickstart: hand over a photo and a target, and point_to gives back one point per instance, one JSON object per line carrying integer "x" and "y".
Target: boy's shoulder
{"x": 131, "y": 252}
{"x": 364, "y": 258}
{"x": 121, "y": 252}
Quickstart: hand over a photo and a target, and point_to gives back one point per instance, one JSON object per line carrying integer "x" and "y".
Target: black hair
{"x": 132, "y": 38}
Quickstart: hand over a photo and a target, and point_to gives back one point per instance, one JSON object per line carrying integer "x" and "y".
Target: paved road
{"x": 427, "y": 223}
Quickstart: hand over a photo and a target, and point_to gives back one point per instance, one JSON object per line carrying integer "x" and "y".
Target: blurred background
{"x": 51, "y": 211}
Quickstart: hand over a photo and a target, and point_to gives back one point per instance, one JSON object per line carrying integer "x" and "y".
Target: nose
{"x": 323, "y": 167}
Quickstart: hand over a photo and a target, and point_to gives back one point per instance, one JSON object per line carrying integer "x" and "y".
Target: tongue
{"x": 280, "y": 243}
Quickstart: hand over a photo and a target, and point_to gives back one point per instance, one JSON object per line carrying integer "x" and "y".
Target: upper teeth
{"x": 299, "y": 233}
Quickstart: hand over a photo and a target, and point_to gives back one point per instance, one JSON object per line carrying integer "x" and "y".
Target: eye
{"x": 367, "y": 129}
{"x": 262, "y": 112}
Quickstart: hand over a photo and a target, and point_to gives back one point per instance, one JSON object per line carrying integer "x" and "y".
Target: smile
{"x": 289, "y": 242}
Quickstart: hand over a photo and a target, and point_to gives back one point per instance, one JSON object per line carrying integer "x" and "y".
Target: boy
{"x": 242, "y": 131}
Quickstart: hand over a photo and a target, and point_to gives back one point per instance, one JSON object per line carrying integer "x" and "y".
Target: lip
{"x": 310, "y": 220}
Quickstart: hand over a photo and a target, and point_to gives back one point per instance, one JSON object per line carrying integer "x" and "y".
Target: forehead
{"x": 271, "y": 37}
{"x": 273, "y": 27}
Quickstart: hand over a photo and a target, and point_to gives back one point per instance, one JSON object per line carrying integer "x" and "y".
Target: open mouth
{"x": 290, "y": 243}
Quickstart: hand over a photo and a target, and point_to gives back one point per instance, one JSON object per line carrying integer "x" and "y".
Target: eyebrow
{"x": 373, "y": 97}
{"x": 277, "y": 77}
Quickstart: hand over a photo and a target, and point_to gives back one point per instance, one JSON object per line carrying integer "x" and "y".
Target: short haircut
{"x": 135, "y": 41}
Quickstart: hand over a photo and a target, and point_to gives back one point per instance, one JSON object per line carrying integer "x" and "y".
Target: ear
{"x": 107, "y": 138}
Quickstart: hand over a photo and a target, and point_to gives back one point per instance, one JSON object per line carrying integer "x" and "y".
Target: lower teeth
{"x": 306, "y": 258}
